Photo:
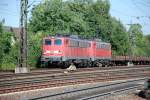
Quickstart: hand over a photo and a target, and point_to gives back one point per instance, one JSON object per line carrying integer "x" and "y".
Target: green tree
{"x": 87, "y": 18}
{"x": 146, "y": 44}
{"x": 119, "y": 38}
{"x": 34, "y": 51}
{"x": 8, "y": 49}
{"x": 1, "y": 53}
{"x": 136, "y": 39}
{"x": 46, "y": 16}
{"x": 82, "y": 17}
{"x": 5, "y": 45}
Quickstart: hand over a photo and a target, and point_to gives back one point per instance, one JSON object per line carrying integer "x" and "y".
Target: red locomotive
{"x": 64, "y": 50}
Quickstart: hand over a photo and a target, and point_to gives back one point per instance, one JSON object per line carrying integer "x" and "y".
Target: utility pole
{"x": 22, "y": 63}
{"x": 131, "y": 43}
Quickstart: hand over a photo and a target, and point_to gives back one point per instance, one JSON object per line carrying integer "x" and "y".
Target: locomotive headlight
{"x": 46, "y": 52}
{"x": 53, "y": 52}
{"x": 57, "y": 52}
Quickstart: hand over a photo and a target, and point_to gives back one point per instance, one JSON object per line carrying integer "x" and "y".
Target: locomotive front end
{"x": 52, "y": 49}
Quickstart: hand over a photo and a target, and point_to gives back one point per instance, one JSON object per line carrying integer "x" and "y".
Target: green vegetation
{"x": 8, "y": 50}
{"x": 86, "y": 18}
{"x": 34, "y": 51}
{"x": 137, "y": 40}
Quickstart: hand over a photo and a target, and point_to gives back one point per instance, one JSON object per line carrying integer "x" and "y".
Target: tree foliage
{"x": 34, "y": 52}
{"x": 119, "y": 38}
{"x": 8, "y": 51}
{"x": 137, "y": 41}
{"x": 146, "y": 46}
{"x": 87, "y": 18}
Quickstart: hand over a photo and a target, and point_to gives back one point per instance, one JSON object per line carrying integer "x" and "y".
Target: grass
{"x": 11, "y": 67}
{"x": 8, "y": 66}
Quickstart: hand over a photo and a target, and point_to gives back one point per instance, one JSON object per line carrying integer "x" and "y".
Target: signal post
{"x": 22, "y": 61}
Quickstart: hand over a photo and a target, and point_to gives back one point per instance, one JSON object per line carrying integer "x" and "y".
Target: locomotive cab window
{"x": 47, "y": 42}
{"x": 57, "y": 42}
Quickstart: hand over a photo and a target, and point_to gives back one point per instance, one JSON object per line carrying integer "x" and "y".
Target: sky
{"x": 131, "y": 12}
{"x": 127, "y": 11}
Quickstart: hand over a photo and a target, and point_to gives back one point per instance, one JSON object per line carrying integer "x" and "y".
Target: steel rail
{"x": 42, "y": 81}
{"x": 110, "y": 93}
{"x": 68, "y": 77}
{"x": 90, "y": 88}
{"x": 62, "y": 74}
{"x": 71, "y": 82}
{"x": 52, "y": 71}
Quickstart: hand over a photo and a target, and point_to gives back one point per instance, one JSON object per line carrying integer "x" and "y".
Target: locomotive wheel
{"x": 81, "y": 64}
{"x": 60, "y": 64}
{"x": 93, "y": 64}
{"x": 98, "y": 64}
{"x": 43, "y": 64}
{"x": 67, "y": 64}
{"x": 89, "y": 63}
{"x": 147, "y": 94}
{"x": 106, "y": 65}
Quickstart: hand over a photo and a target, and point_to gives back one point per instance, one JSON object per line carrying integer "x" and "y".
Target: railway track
{"x": 60, "y": 71}
{"x": 113, "y": 92}
{"x": 94, "y": 72}
{"x": 94, "y": 92}
{"x": 29, "y": 83}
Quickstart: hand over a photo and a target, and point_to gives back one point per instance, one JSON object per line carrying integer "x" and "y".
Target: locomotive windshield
{"x": 58, "y": 42}
{"x": 47, "y": 42}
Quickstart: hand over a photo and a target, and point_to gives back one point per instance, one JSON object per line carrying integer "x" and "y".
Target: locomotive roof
{"x": 79, "y": 39}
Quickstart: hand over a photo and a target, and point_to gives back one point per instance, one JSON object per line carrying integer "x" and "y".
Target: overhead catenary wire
{"x": 9, "y": 13}
{"x": 138, "y": 18}
{"x": 139, "y": 8}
